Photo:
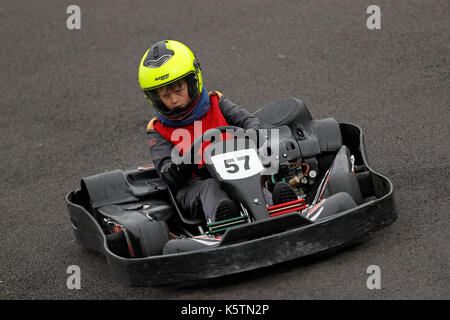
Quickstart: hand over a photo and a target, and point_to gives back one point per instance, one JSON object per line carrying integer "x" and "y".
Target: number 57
{"x": 234, "y": 167}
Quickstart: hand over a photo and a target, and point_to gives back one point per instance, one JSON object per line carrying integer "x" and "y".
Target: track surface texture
{"x": 71, "y": 107}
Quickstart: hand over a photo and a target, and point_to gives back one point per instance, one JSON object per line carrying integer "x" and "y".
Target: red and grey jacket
{"x": 222, "y": 112}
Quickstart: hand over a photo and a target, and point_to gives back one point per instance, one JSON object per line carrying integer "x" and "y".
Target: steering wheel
{"x": 187, "y": 157}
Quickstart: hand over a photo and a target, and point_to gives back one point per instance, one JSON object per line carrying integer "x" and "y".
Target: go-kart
{"x": 132, "y": 216}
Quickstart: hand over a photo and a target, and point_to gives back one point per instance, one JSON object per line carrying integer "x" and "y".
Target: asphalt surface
{"x": 71, "y": 107}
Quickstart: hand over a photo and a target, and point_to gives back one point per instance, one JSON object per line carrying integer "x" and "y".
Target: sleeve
{"x": 160, "y": 151}
{"x": 238, "y": 116}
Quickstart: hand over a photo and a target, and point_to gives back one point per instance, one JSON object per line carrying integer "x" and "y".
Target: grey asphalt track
{"x": 71, "y": 107}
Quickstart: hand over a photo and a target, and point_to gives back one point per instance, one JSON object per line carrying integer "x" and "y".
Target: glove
{"x": 184, "y": 169}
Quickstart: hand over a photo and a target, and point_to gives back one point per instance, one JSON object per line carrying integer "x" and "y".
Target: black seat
{"x": 285, "y": 112}
{"x": 313, "y": 136}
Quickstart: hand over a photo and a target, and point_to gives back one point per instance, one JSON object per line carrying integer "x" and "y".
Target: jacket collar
{"x": 202, "y": 107}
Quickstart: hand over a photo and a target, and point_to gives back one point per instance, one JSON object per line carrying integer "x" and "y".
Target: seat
{"x": 313, "y": 136}
{"x": 285, "y": 112}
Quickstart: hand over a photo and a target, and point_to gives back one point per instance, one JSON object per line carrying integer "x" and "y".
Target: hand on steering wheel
{"x": 193, "y": 156}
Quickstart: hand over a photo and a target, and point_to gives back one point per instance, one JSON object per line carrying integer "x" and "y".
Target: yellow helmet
{"x": 166, "y": 62}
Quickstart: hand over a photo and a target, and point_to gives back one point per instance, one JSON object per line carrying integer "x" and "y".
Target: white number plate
{"x": 237, "y": 164}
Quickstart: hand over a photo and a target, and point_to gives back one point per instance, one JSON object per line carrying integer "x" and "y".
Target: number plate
{"x": 237, "y": 164}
